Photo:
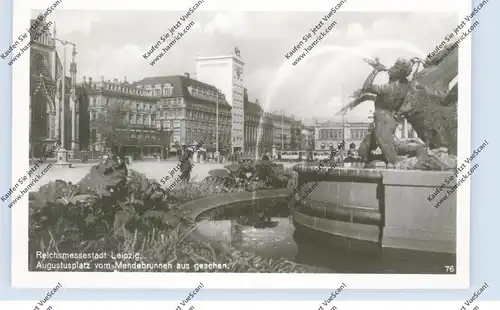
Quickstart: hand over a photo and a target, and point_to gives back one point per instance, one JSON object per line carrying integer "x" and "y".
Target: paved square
{"x": 153, "y": 170}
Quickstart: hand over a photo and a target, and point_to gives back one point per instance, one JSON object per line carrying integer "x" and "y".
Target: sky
{"x": 111, "y": 43}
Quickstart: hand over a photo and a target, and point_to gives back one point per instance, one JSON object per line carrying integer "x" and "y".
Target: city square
{"x": 152, "y": 169}
{"x": 208, "y": 156}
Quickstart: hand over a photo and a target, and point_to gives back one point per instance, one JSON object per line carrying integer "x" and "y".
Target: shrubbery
{"x": 252, "y": 175}
{"x": 112, "y": 210}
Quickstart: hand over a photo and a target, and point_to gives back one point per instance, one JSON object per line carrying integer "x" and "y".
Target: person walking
{"x": 186, "y": 166}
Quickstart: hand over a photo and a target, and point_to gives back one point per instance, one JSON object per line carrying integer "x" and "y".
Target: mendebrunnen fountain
{"x": 358, "y": 220}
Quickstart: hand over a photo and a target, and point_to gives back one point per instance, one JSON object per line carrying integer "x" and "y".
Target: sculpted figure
{"x": 431, "y": 106}
{"x": 427, "y": 102}
{"x": 388, "y": 99}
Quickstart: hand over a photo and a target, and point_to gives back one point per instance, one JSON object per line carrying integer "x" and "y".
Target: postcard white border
{"x": 251, "y": 305}
{"x": 22, "y": 278}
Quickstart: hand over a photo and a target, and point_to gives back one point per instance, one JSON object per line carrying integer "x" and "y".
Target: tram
{"x": 293, "y": 155}
{"x": 321, "y": 155}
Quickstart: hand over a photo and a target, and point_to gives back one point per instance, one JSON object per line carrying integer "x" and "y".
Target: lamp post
{"x": 219, "y": 94}
{"x": 62, "y": 153}
{"x": 282, "y": 134}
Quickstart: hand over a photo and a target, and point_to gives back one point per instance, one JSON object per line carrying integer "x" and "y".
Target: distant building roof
{"x": 276, "y": 116}
{"x": 252, "y": 108}
{"x": 180, "y": 85}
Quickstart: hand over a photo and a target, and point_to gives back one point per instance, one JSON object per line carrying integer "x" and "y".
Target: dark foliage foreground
{"x": 111, "y": 210}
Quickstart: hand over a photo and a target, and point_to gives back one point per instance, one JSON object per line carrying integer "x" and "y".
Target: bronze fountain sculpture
{"x": 425, "y": 101}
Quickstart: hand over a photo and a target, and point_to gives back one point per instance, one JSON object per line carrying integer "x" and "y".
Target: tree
{"x": 109, "y": 123}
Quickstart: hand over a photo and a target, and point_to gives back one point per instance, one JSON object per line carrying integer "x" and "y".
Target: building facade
{"x": 53, "y": 116}
{"x": 136, "y": 130}
{"x": 188, "y": 109}
{"x": 308, "y": 138}
{"x": 405, "y": 130}
{"x": 226, "y": 73}
{"x": 282, "y": 130}
{"x": 331, "y": 133}
{"x": 265, "y": 134}
{"x": 296, "y": 135}
{"x": 253, "y": 114}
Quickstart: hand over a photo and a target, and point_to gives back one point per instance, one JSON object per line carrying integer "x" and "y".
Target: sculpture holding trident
{"x": 388, "y": 99}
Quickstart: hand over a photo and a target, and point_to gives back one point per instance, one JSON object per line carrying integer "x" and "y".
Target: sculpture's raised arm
{"x": 365, "y": 93}
{"x": 354, "y": 103}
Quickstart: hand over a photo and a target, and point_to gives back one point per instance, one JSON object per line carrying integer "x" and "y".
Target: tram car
{"x": 321, "y": 155}
{"x": 293, "y": 155}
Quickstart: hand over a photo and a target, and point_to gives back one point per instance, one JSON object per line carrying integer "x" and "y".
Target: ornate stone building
{"x": 137, "y": 132}
{"x": 258, "y": 128}
{"x": 297, "y": 137}
{"x": 331, "y": 133}
{"x": 308, "y": 138}
{"x": 265, "y": 133}
{"x": 405, "y": 130}
{"x": 47, "y": 103}
{"x": 282, "y": 130}
{"x": 187, "y": 108}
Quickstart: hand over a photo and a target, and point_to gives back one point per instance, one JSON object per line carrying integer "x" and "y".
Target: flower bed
{"x": 111, "y": 210}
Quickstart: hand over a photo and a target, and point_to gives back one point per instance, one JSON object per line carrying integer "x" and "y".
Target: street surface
{"x": 153, "y": 170}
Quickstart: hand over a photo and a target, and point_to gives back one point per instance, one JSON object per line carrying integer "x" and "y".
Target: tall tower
{"x": 226, "y": 73}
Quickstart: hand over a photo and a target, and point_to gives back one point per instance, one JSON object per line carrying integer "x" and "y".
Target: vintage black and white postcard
{"x": 218, "y": 144}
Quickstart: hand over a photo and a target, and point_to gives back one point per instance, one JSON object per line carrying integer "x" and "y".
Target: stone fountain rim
{"x": 384, "y": 176}
{"x": 194, "y": 208}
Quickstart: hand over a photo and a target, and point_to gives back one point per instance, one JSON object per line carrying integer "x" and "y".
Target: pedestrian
{"x": 186, "y": 166}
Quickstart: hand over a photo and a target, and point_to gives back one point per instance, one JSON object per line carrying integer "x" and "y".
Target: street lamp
{"x": 219, "y": 93}
{"x": 282, "y": 134}
{"x": 62, "y": 153}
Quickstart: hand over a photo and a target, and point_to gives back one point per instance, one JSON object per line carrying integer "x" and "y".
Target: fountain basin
{"x": 372, "y": 208}
{"x": 235, "y": 221}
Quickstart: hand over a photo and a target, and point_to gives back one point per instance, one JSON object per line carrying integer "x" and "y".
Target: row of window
{"x": 135, "y": 119}
{"x": 141, "y": 136}
{"x": 278, "y": 137}
{"x": 144, "y": 120}
{"x": 158, "y": 90}
{"x": 223, "y": 138}
{"x": 143, "y": 106}
{"x": 207, "y": 127}
{"x": 205, "y": 94}
{"x": 168, "y": 102}
{"x": 252, "y": 119}
{"x": 325, "y": 134}
{"x": 358, "y": 134}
